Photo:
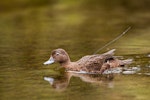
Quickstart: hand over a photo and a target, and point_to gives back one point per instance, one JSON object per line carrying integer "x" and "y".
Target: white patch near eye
{"x": 57, "y": 53}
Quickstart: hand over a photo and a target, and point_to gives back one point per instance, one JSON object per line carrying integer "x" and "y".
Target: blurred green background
{"x": 77, "y": 20}
{"x": 31, "y": 29}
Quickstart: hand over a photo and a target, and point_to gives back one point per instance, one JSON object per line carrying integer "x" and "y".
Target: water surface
{"x": 28, "y": 34}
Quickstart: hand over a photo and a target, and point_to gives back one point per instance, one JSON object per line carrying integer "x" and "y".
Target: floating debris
{"x": 148, "y": 55}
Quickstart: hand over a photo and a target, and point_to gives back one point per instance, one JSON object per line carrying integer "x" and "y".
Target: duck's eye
{"x": 57, "y": 54}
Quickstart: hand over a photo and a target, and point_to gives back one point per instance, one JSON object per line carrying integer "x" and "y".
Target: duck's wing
{"x": 97, "y": 57}
{"x": 110, "y": 53}
{"x": 93, "y": 62}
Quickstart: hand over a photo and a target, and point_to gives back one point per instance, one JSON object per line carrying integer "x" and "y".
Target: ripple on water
{"x": 49, "y": 79}
{"x": 147, "y": 74}
{"x": 131, "y": 70}
{"x": 118, "y": 70}
{"x": 128, "y": 72}
{"x": 113, "y": 70}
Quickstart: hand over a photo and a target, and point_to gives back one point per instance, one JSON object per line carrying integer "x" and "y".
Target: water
{"x": 29, "y": 34}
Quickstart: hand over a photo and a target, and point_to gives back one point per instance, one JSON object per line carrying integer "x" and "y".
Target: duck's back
{"x": 92, "y": 63}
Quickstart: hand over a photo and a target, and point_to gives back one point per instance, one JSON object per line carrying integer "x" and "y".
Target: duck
{"x": 96, "y": 63}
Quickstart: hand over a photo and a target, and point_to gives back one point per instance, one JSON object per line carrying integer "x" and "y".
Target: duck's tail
{"x": 111, "y": 52}
{"x": 125, "y": 62}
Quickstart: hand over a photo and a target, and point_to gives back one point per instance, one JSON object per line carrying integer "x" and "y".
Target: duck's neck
{"x": 66, "y": 64}
{"x": 69, "y": 65}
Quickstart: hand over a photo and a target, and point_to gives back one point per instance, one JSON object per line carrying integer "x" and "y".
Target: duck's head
{"x": 58, "y": 55}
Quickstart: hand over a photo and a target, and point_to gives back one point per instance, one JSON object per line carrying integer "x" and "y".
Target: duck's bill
{"x": 50, "y": 61}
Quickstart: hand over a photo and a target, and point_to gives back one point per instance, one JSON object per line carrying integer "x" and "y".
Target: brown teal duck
{"x": 96, "y": 63}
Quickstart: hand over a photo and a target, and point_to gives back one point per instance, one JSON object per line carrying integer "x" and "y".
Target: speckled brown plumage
{"x": 92, "y": 63}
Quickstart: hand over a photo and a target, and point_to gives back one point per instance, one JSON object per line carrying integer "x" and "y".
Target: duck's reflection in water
{"x": 62, "y": 83}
